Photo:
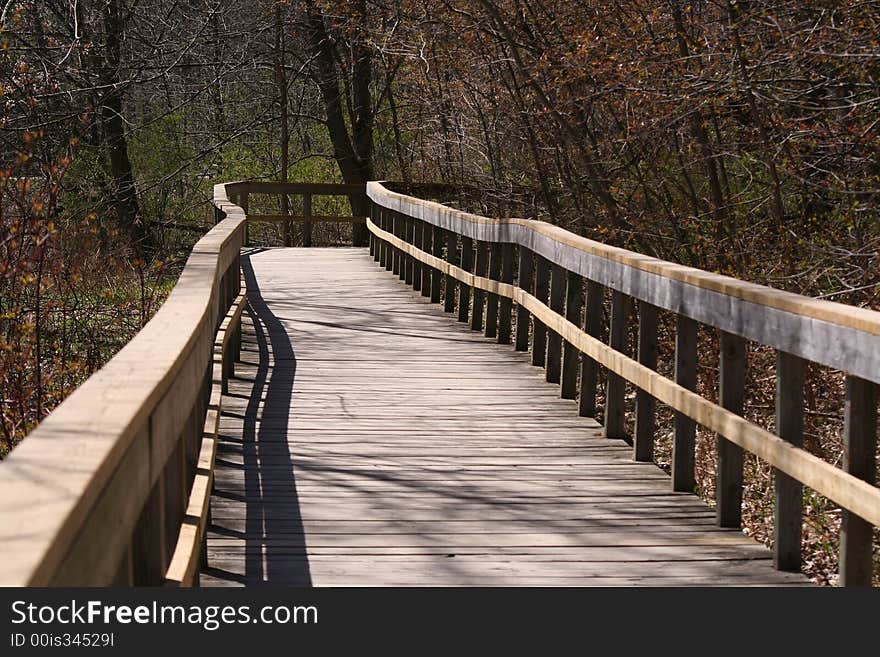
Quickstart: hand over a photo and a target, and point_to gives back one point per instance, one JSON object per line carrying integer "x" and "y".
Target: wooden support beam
{"x": 553, "y": 359}
{"x": 505, "y": 305}
{"x": 409, "y": 228}
{"x": 574, "y": 296}
{"x": 589, "y": 367}
{"x": 615, "y": 386}
{"x": 859, "y": 459}
{"x": 427, "y": 236}
{"x": 731, "y": 393}
{"x": 481, "y": 269}
{"x": 643, "y": 436}
{"x": 453, "y": 258}
{"x": 684, "y": 428}
{"x": 418, "y": 229}
{"x": 437, "y": 252}
{"x": 464, "y": 291}
{"x": 788, "y": 509}
{"x": 542, "y": 290}
{"x": 491, "y": 297}
{"x": 526, "y": 281}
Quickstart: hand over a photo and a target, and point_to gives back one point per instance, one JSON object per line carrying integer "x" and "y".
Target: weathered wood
{"x": 860, "y": 448}
{"x": 539, "y": 330}
{"x": 436, "y": 274}
{"x": 684, "y": 429}
{"x": 643, "y": 436}
{"x": 481, "y": 268}
{"x": 418, "y": 228}
{"x": 345, "y": 490}
{"x": 409, "y": 238}
{"x": 491, "y": 297}
{"x": 595, "y": 296}
{"x": 453, "y": 258}
{"x": 526, "y": 281}
{"x": 574, "y": 293}
{"x": 839, "y": 336}
{"x": 396, "y": 254}
{"x": 731, "y": 394}
{"x": 615, "y": 386}
{"x": 505, "y": 304}
{"x": 464, "y": 291}
{"x": 308, "y": 220}
{"x": 788, "y": 507}
{"x": 427, "y": 237}
{"x": 553, "y": 359}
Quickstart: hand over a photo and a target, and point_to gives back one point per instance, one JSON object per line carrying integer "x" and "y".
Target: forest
{"x": 738, "y": 136}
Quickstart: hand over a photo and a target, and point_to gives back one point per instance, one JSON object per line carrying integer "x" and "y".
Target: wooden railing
{"x": 558, "y": 280}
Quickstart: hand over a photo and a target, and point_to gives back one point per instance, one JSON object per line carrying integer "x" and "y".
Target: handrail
{"x": 97, "y": 492}
{"x": 409, "y": 237}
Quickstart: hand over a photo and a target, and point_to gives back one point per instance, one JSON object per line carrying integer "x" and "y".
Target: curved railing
{"x": 112, "y": 487}
{"x": 552, "y": 274}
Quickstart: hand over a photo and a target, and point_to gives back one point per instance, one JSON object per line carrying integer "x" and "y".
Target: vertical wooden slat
{"x": 409, "y": 224}
{"x": 395, "y": 230}
{"x": 525, "y": 281}
{"x": 464, "y": 291}
{"x": 731, "y": 394}
{"x": 437, "y": 241}
{"x": 307, "y": 225}
{"x": 452, "y": 258}
{"x": 553, "y": 361}
{"x": 539, "y": 329}
{"x": 684, "y": 428}
{"x": 427, "y": 235}
{"x": 574, "y": 294}
{"x": 492, "y": 299}
{"x": 589, "y": 367}
{"x": 789, "y": 492}
{"x": 505, "y": 304}
{"x": 615, "y": 387}
{"x": 860, "y": 448}
{"x": 418, "y": 227}
{"x": 481, "y": 269}
{"x": 643, "y": 436}
{"x": 401, "y": 234}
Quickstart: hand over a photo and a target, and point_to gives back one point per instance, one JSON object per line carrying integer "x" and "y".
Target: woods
{"x": 737, "y": 136}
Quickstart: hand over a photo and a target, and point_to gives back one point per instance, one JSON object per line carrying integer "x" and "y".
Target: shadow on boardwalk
{"x": 272, "y": 515}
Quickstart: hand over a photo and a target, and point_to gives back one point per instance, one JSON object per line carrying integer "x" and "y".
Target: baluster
{"x": 684, "y": 429}
{"x": 526, "y": 281}
{"x": 418, "y": 227}
{"x": 788, "y": 491}
{"x": 554, "y": 340}
{"x": 539, "y": 330}
{"x": 464, "y": 291}
{"x": 860, "y": 446}
{"x": 505, "y": 304}
{"x": 437, "y": 241}
{"x": 409, "y": 261}
{"x": 574, "y": 294}
{"x": 589, "y": 367}
{"x": 395, "y": 230}
{"x": 491, "y": 297}
{"x": 307, "y": 225}
{"x": 643, "y": 440}
{"x": 427, "y": 235}
{"x": 731, "y": 394}
{"x": 481, "y": 269}
{"x": 615, "y": 388}
{"x": 452, "y": 258}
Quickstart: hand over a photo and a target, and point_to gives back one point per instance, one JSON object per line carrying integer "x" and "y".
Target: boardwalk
{"x": 370, "y": 439}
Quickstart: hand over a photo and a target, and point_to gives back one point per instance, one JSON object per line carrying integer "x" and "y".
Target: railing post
{"x": 526, "y": 281}
{"x": 615, "y": 387}
{"x": 427, "y": 234}
{"x": 409, "y": 261}
{"x": 860, "y": 446}
{"x": 375, "y": 242}
{"x": 505, "y": 304}
{"x": 731, "y": 393}
{"x": 452, "y": 258}
{"x": 481, "y": 269}
{"x": 417, "y": 231}
{"x": 491, "y": 297}
{"x": 464, "y": 291}
{"x": 383, "y": 245}
{"x": 643, "y": 436}
{"x": 288, "y": 225}
{"x": 589, "y": 367}
{"x": 307, "y": 225}
{"x": 788, "y": 492}
{"x": 391, "y": 255}
{"x": 395, "y": 230}
{"x": 402, "y": 257}
{"x": 574, "y": 294}
{"x": 437, "y": 241}
{"x": 539, "y": 330}
{"x": 684, "y": 428}
{"x": 554, "y": 340}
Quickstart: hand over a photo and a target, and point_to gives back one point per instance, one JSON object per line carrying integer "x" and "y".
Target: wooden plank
{"x": 731, "y": 393}
{"x": 859, "y": 459}
{"x": 788, "y": 506}
{"x": 539, "y": 330}
{"x": 684, "y": 428}
{"x": 643, "y": 436}
{"x": 526, "y": 281}
{"x": 306, "y": 219}
{"x": 615, "y": 387}
{"x": 574, "y": 293}
{"x": 589, "y": 367}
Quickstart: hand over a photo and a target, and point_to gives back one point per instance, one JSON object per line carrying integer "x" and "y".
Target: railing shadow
{"x": 273, "y": 514}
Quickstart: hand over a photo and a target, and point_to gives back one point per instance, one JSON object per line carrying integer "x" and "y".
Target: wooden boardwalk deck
{"x": 370, "y": 439}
